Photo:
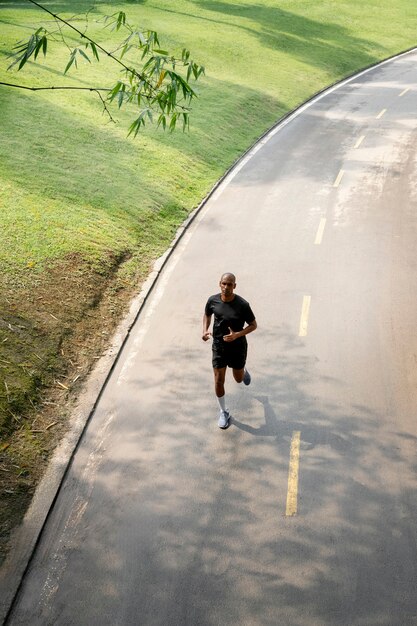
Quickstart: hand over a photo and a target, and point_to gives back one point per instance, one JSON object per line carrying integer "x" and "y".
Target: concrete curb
{"x": 26, "y": 537}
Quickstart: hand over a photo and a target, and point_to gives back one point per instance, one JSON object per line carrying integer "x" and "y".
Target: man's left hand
{"x": 231, "y": 336}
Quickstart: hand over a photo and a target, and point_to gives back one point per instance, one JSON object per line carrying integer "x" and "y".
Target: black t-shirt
{"x": 233, "y": 314}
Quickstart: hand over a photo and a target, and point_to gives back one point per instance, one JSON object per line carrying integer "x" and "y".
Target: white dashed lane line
{"x": 338, "y": 178}
{"x": 320, "y": 231}
{"x": 305, "y": 311}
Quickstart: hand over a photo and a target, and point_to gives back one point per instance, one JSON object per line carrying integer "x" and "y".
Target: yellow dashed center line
{"x": 358, "y": 143}
{"x": 304, "y": 316}
{"x": 320, "y": 231}
{"x": 381, "y": 113}
{"x": 339, "y": 178}
{"x": 404, "y": 92}
{"x": 292, "y": 493}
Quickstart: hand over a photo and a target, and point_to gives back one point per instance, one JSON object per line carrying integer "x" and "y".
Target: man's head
{"x": 227, "y": 285}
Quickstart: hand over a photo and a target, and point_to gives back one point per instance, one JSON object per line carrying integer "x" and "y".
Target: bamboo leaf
{"x": 185, "y": 121}
{"x": 173, "y": 122}
{"x": 161, "y": 84}
{"x": 94, "y": 49}
{"x": 83, "y": 54}
{"x": 113, "y": 93}
{"x": 71, "y": 61}
{"x": 161, "y": 78}
{"x": 140, "y": 121}
{"x": 121, "y": 20}
{"x": 162, "y": 121}
{"x": 125, "y": 49}
{"x": 141, "y": 38}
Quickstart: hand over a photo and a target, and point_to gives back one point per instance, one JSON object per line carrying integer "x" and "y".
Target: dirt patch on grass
{"x": 54, "y": 325}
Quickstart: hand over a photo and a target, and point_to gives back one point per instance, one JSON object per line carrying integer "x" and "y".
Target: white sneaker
{"x": 224, "y": 419}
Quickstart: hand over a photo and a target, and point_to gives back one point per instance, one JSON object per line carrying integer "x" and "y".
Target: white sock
{"x": 222, "y": 402}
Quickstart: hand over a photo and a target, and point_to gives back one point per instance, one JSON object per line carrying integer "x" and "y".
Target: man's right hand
{"x": 206, "y": 336}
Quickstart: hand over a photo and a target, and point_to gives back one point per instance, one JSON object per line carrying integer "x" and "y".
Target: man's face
{"x": 227, "y": 285}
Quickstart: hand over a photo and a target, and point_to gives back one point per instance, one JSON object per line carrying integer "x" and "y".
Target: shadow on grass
{"x": 98, "y": 167}
{"x": 316, "y": 43}
{"x": 57, "y": 154}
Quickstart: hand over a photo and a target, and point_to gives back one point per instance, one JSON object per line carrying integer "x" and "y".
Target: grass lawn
{"x": 84, "y": 210}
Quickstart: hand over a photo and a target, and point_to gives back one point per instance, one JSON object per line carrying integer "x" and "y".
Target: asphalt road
{"x": 303, "y": 512}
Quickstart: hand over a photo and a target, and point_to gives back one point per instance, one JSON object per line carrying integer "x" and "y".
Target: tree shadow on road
{"x": 167, "y": 520}
{"x": 283, "y": 429}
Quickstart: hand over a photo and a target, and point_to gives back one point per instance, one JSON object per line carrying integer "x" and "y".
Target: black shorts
{"x": 231, "y": 354}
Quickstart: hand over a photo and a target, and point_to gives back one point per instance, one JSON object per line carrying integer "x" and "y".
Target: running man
{"x": 231, "y": 313}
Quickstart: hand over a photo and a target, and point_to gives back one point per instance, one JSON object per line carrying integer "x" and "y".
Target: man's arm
{"x": 206, "y": 325}
{"x": 241, "y": 333}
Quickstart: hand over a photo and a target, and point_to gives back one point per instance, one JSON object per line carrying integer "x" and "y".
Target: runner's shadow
{"x": 271, "y": 428}
{"x": 283, "y": 430}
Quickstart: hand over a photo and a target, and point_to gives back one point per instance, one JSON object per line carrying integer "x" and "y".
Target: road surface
{"x": 303, "y": 512}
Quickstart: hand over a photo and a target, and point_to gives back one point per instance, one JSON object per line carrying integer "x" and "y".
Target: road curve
{"x": 303, "y": 512}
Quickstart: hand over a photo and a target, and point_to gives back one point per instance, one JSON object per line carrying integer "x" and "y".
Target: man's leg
{"x": 238, "y": 374}
{"x": 242, "y": 374}
{"x": 219, "y": 376}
